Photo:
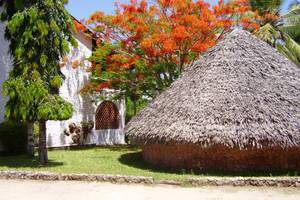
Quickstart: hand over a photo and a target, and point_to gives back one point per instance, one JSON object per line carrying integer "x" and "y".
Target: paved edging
{"x": 203, "y": 181}
{"x": 25, "y": 175}
{"x": 247, "y": 181}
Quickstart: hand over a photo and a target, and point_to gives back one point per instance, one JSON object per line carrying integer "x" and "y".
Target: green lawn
{"x": 99, "y": 160}
{"x": 104, "y": 160}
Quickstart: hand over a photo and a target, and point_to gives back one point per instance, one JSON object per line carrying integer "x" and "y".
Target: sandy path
{"x": 35, "y": 190}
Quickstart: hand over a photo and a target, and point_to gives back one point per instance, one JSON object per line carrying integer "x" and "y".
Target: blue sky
{"x": 84, "y": 8}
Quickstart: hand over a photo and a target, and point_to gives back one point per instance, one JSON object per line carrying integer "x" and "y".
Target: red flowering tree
{"x": 143, "y": 47}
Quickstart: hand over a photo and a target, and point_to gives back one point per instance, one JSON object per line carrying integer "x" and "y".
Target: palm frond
{"x": 292, "y": 12}
{"x": 291, "y": 22}
{"x": 292, "y": 46}
{"x": 295, "y": 3}
{"x": 292, "y": 30}
{"x": 268, "y": 33}
{"x": 287, "y": 53}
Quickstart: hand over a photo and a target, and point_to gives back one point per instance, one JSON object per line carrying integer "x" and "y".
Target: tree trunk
{"x": 30, "y": 139}
{"x": 43, "y": 154}
{"x": 181, "y": 63}
{"x": 134, "y": 107}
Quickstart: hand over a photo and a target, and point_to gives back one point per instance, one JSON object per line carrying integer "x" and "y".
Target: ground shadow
{"x": 136, "y": 160}
{"x": 24, "y": 161}
{"x": 118, "y": 148}
{"x": 124, "y": 148}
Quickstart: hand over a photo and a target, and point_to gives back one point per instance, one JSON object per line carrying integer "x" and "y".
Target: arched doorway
{"x": 107, "y": 116}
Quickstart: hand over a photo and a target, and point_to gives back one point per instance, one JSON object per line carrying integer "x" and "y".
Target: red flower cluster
{"x": 166, "y": 30}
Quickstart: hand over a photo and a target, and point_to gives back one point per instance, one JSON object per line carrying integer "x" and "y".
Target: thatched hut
{"x": 238, "y": 108}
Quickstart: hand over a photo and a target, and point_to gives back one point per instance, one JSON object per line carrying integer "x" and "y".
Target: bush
{"x": 140, "y": 104}
{"x": 13, "y": 136}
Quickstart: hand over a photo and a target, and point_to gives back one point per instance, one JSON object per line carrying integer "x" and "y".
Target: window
{"x": 107, "y": 116}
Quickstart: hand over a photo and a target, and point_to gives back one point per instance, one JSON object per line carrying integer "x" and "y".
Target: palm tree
{"x": 292, "y": 21}
{"x": 295, "y": 3}
{"x": 280, "y": 33}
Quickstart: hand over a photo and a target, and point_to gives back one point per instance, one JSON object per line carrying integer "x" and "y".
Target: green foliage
{"x": 139, "y": 82}
{"x": 56, "y": 82}
{"x": 39, "y": 33}
{"x": 33, "y": 83}
{"x": 55, "y": 108}
{"x": 282, "y": 41}
{"x": 283, "y": 33}
{"x": 292, "y": 46}
{"x": 87, "y": 127}
{"x": 44, "y": 40}
{"x": 133, "y": 108}
{"x": 127, "y": 161}
{"x": 269, "y": 34}
{"x": 294, "y": 3}
{"x": 24, "y": 99}
{"x": 13, "y": 136}
{"x": 291, "y": 20}
{"x": 33, "y": 102}
{"x": 264, "y": 6}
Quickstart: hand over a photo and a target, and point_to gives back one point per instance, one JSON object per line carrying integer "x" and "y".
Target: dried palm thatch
{"x": 242, "y": 94}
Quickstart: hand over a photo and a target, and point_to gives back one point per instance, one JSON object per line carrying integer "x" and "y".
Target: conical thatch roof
{"x": 242, "y": 93}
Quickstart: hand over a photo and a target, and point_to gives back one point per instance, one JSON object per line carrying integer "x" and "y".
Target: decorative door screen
{"x": 107, "y": 116}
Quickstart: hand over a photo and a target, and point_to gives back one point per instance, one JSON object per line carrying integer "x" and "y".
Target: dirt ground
{"x": 37, "y": 190}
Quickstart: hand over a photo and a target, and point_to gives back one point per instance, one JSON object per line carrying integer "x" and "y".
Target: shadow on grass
{"x": 22, "y": 161}
{"x": 120, "y": 148}
{"x": 124, "y": 148}
{"x": 136, "y": 160}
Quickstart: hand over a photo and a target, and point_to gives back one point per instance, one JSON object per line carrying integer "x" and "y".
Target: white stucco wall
{"x": 5, "y": 64}
{"x": 110, "y": 136}
{"x": 84, "y": 106}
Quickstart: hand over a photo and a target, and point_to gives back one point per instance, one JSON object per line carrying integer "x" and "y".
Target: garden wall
{"x": 221, "y": 158}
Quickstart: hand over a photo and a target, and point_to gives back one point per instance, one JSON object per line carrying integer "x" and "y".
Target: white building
{"x": 4, "y": 66}
{"x": 108, "y": 116}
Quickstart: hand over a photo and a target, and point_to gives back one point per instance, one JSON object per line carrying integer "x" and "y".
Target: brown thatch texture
{"x": 221, "y": 158}
{"x": 242, "y": 93}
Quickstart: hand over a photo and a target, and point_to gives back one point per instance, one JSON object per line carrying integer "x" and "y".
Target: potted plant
{"x": 87, "y": 127}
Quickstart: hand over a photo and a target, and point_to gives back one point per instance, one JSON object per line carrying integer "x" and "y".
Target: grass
{"x": 99, "y": 160}
{"x": 107, "y": 160}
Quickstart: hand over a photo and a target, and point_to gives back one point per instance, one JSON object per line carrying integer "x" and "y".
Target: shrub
{"x": 87, "y": 127}
{"x": 13, "y": 136}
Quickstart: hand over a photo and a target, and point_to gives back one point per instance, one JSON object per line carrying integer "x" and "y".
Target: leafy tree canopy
{"x": 39, "y": 34}
{"x": 143, "y": 47}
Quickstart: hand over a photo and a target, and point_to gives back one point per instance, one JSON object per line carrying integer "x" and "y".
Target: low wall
{"x": 107, "y": 137}
{"x": 46, "y": 176}
{"x": 193, "y": 181}
{"x": 221, "y": 158}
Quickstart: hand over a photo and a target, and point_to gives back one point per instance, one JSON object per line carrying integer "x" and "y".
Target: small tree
{"x": 40, "y": 33}
{"x": 31, "y": 101}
